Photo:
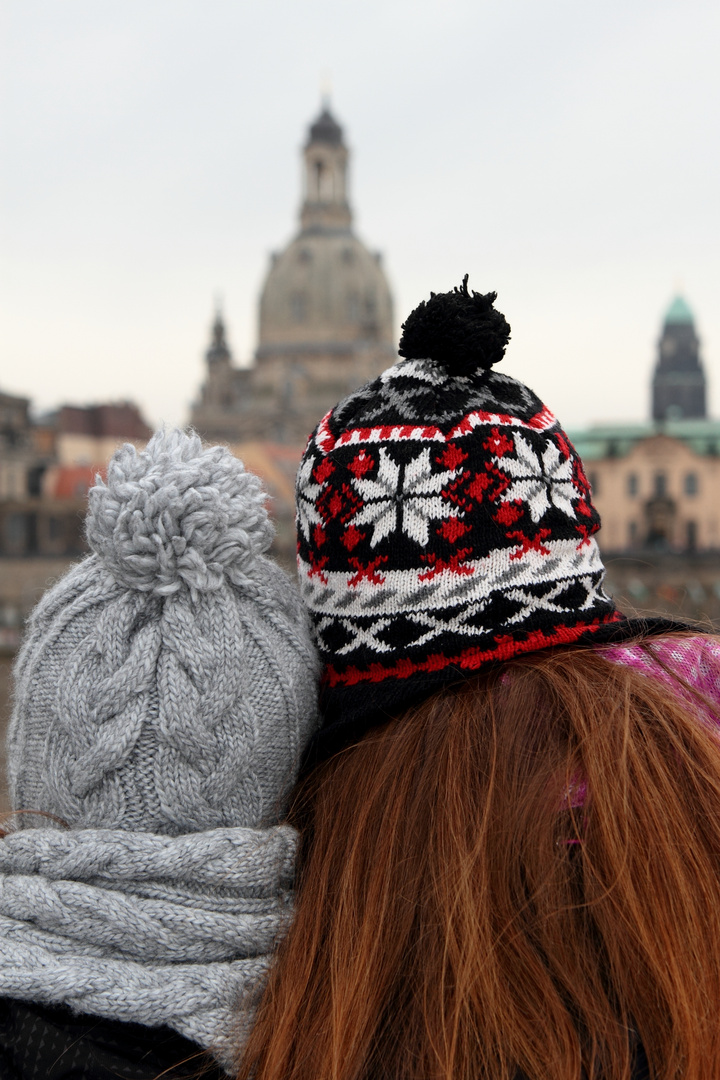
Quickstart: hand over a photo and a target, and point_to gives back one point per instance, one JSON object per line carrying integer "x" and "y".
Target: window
{"x": 55, "y": 529}
{"x": 298, "y": 307}
{"x": 691, "y": 483}
{"x": 632, "y": 533}
{"x": 632, "y": 484}
{"x": 318, "y": 179}
{"x": 691, "y": 533}
{"x": 34, "y": 480}
{"x": 594, "y": 482}
{"x": 15, "y": 531}
{"x": 353, "y": 307}
{"x": 660, "y": 485}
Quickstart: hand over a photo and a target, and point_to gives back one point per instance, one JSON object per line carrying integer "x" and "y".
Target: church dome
{"x": 325, "y": 290}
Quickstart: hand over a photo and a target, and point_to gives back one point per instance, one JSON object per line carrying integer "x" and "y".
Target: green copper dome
{"x": 679, "y": 312}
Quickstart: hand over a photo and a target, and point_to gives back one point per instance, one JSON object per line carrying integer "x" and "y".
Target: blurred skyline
{"x": 562, "y": 154}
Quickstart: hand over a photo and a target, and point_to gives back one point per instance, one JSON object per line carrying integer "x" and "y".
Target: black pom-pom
{"x": 460, "y": 330}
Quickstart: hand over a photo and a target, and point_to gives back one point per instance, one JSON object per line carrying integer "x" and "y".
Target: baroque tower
{"x": 678, "y": 389}
{"x": 326, "y": 315}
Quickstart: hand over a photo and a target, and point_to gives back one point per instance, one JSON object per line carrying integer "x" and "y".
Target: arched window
{"x": 660, "y": 485}
{"x": 319, "y": 168}
{"x": 298, "y": 307}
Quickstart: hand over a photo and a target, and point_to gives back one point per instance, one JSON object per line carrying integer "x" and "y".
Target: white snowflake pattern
{"x": 407, "y": 502}
{"x": 541, "y": 482}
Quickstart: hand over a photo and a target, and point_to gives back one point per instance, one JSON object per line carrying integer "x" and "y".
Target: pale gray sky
{"x": 565, "y": 154}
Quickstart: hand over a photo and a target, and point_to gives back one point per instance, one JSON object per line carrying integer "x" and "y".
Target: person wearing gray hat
{"x": 165, "y": 692}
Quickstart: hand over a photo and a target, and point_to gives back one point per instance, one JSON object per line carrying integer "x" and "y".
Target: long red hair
{"x": 521, "y": 876}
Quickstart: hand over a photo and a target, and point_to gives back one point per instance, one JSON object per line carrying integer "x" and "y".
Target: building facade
{"x": 661, "y": 492}
{"x": 46, "y": 470}
{"x": 657, "y": 485}
{"x": 325, "y": 317}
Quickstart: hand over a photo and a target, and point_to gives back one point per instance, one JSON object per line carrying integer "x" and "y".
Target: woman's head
{"x": 445, "y": 524}
{"x": 167, "y": 683}
{"x": 519, "y": 875}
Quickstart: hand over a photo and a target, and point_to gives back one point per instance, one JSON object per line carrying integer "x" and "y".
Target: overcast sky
{"x": 563, "y": 153}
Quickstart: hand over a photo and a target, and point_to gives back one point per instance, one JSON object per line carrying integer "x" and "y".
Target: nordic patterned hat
{"x": 445, "y": 523}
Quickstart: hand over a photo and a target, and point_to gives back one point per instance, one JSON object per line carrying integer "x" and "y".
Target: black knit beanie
{"x": 445, "y": 523}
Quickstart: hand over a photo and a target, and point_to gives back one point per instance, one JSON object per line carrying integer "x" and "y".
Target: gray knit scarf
{"x": 146, "y": 928}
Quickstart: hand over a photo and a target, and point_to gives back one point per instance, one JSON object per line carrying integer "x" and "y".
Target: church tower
{"x": 224, "y": 391}
{"x": 678, "y": 389}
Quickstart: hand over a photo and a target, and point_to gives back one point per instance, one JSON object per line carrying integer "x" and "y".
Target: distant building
{"x": 325, "y": 319}
{"x": 90, "y": 434}
{"x": 678, "y": 389}
{"x": 46, "y": 469}
{"x": 656, "y": 490}
{"x": 22, "y": 461}
{"x": 657, "y": 484}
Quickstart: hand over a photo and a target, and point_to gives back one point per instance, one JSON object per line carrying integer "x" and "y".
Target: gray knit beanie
{"x": 168, "y": 682}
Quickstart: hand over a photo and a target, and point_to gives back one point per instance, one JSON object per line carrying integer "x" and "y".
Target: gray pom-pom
{"x": 177, "y": 515}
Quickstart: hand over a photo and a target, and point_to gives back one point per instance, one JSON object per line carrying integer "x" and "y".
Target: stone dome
{"x": 325, "y": 290}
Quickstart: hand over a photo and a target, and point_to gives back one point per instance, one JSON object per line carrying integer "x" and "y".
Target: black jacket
{"x": 38, "y": 1042}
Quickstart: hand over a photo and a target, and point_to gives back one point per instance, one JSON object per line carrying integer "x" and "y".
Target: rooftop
{"x": 617, "y": 440}
{"x": 679, "y": 313}
{"x": 326, "y": 129}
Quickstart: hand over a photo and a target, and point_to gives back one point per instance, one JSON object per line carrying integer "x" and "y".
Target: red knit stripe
{"x": 469, "y": 659}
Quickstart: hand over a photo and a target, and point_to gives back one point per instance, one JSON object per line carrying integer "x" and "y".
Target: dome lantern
{"x": 326, "y": 159}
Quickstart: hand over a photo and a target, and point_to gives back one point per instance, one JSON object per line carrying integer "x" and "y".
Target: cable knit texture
{"x": 164, "y": 693}
{"x": 146, "y": 928}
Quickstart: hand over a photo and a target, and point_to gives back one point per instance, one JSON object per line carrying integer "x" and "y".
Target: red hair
{"x": 520, "y": 876}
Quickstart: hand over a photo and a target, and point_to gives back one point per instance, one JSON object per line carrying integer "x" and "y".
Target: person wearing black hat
{"x": 512, "y": 808}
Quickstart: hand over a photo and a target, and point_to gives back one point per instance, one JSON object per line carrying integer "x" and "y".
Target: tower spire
{"x": 219, "y": 352}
